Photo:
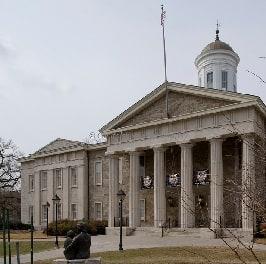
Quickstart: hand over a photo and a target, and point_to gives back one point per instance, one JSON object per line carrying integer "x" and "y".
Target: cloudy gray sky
{"x": 69, "y": 66}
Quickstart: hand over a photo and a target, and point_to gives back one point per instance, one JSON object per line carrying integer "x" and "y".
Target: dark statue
{"x": 77, "y": 247}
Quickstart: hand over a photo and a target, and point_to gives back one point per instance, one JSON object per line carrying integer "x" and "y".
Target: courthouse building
{"x": 184, "y": 155}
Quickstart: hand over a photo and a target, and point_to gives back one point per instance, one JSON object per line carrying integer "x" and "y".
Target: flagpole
{"x": 165, "y": 72}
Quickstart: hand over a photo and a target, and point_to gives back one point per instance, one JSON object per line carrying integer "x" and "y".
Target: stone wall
{"x": 98, "y": 193}
{"x": 67, "y": 193}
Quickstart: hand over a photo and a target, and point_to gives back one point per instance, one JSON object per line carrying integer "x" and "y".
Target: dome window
{"x": 224, "y": 80}
{"x": 210, "y": 80}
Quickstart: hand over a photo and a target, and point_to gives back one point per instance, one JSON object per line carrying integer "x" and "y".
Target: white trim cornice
{"x": 235, "y": 98}
{"x": 186, "y": 116}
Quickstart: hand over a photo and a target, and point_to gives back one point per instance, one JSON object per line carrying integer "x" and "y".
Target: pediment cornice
{"x": 233, "y": 100}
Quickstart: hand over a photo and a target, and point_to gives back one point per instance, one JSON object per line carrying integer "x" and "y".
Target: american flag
{"x": 163, "y": 15}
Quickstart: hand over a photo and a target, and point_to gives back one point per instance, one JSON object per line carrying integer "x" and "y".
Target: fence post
{"x": 17, "y": 252}
{"x": 31, "y": 240}
{"x": 4, "y": 234}
{"x": 8, "y": 236}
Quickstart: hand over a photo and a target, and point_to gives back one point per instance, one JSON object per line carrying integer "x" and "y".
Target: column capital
{"x": 186, "y": 145}
{"x": 134, "y": 152}
{"x": 112, "y": 156}
{"x": 159, "y": 148}
{"x": 247, "y": 137}
{"x": 216, "y": 140}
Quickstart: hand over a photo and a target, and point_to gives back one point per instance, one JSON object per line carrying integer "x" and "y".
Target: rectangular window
{"x": 224, "y": 79}
{"x": 142, "y": 166}
{"x": 44, "y": 212}
{"x": 98, "y": 172}
{"x": 210, "y": 80}
{"x": 142, "y": 209}
{"x": 58, "y": 178}
{"x": 59, "y": 212}
{"x": 74, "y": 177}
{"x": 43, "y": 180}
{"x": 74, "y": 211}
{"x": 120, "y": 170}
{"x": 30, "y": 212}
{"x": 98, "y": 211}
{"x": 31, "y": 183}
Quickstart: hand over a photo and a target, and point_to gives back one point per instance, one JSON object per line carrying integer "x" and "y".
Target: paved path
{"x": 110, "y": 243}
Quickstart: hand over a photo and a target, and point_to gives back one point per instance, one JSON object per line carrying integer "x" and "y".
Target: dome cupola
{"x": 217, "y": 66}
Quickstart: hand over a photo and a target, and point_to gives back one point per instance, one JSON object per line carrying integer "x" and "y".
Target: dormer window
{"x": 210, "y": 80}
{"x": 224, "y": 80}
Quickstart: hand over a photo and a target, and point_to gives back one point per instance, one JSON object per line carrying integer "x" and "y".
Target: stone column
{"x": 37, "y": 200}
{"x": 248, "y": 181}
{"x": 82, "y": 194}
{"x": 159, "y": 187}
{"x": 134, "y": 187}
{"x": 187, "y": 196}
{"x": 113, "y": 188}
{"x": 50, "y": 193}
{"x": 216, "y": 183}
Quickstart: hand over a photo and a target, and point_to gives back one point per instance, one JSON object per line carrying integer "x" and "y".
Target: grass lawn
{"x": 174, "y": 255}
{"x": 25, "y": 247}
{"x": 24, "y": 234}
{"x": 261, "y": 241}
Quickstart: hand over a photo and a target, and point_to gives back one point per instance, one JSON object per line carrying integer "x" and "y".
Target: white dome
{"x": 217, "y": 66}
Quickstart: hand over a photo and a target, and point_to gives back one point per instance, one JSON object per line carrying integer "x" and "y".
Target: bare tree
{"x": 9, "y": 166}
{"x": 256, "y": 75}
{"x": 95, "y": 138}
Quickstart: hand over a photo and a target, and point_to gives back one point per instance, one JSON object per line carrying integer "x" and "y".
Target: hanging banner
{"x": 201, "y": 177}
{"x": 147, "y": 182}
{"x": 173, "y": 180}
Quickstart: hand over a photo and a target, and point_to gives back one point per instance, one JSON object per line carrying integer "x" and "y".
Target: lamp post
{"x": 56, "y": 199}
{"x": 47, "y": 218}
{"x": 121, "y": 195}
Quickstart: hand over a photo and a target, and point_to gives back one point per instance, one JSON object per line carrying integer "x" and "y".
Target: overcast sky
{"x": 67, "y": 67}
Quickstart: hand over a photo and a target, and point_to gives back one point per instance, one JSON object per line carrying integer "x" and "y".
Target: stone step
{"x": 174, "y": 232}
{"x": 190, "y": 232}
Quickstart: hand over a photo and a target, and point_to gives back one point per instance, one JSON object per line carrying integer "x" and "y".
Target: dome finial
{"x": 217, "y": 30}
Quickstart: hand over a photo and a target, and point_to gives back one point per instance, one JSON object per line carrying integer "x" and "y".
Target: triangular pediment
{"x": 59, "y": 144}
{"x": 182, "y": 100}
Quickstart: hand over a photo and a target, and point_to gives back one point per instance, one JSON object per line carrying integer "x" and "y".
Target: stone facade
{"x": 48, "y": 172}
{"x": 98, "y": 193}
{"x": 209, "y": 133}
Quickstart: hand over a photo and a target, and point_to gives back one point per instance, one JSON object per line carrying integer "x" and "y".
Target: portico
{"x": 211, "y": 146}
{"x": 193, "y": 204}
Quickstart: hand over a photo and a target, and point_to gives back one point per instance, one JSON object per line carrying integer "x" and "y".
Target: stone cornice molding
{"x": 62, "y": 150}
{"x": 181, "y": 88}
{"x": 187, "y": 116}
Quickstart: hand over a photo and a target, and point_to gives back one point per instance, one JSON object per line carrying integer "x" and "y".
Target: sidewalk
{"x": 110, "y": 243}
